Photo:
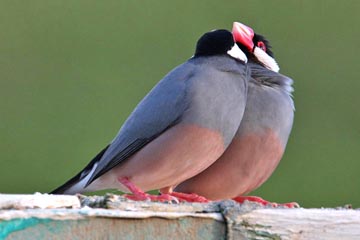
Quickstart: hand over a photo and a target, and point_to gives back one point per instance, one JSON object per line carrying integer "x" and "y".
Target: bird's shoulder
{"x": 266, "y": 77}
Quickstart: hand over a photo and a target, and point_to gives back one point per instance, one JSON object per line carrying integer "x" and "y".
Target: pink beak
{"x": 243, "y": 34}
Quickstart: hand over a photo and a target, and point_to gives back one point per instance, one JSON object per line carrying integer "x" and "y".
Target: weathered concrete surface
{"x": 113, "y": 217}
{"x": 109, "y": 217}
{"x": 38, "y": 200}
{"x": 112, "y": 228}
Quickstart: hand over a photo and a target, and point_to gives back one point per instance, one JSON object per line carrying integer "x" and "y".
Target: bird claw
{"x": 290, "y": 205}
{"x": 156, "y": 198}
{"x": 263, "y": 202}
{"x": 164, "y": 198}
{"x": 174, "y": 197}
{"x": 139, "y": 195}
{"x": 189, "y": 197}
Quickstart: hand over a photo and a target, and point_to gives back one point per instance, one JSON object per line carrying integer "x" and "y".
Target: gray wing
{"x": 270, "y": 103}
{"x": 161, "y": 108}
{"x": 268, "y": 77}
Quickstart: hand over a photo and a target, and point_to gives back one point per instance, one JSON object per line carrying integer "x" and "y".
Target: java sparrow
{"x": 261, "y": 139}
{"x": 180, "y": 127}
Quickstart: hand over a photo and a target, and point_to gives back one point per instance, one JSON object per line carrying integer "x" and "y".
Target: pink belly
{"x": 247, "y": 163}
{"x": 178, "y": 154}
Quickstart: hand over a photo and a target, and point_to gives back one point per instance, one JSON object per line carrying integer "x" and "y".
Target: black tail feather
{"x": 80, "y": 175}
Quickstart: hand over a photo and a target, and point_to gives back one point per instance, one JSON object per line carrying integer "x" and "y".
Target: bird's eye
{"x": 262, "y": 45}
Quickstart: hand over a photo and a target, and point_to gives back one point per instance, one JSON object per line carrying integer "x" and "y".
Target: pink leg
{"x": 139, "y": 195}
{"x": 242, "y": 199}
{"x": 189, "y": 197}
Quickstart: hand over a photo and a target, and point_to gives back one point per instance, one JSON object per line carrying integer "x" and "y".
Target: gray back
{"x": 218, "y": 95}
{"x": 269, "y": 103}
{"x": 206, "y": 91}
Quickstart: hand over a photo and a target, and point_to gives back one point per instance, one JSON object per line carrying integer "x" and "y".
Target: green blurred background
{"x": 72, "y": 71}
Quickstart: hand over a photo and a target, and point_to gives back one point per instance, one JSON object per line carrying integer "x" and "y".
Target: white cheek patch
{"x": 265, "y": 59}
{"x": 236, "y": 52}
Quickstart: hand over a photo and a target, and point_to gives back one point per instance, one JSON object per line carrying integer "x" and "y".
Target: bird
{"x": 178, "y": 129}
{"x": 261, "y": 139}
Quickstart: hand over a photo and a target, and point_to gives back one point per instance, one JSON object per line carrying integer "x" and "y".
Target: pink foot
{"x": 139, "y": 195}
{"x": 189, "y": 197}
{"x": 289, "y": 205}
{"x": 155, "y": 198}
{"x": 242, "y": 199}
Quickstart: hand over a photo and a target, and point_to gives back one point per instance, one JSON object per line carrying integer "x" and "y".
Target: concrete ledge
{"x": 40, "y": 216}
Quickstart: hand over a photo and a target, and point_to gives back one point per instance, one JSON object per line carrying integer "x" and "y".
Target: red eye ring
{"x": 262, "y": 45}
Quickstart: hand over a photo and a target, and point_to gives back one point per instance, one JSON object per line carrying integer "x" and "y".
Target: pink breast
{"x": 178, "y": 154}
{"x": 246, "y": 164}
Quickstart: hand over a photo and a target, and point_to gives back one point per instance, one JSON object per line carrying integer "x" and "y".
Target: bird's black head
{"x": 218, "y": 42}
{"x": 261, "y": 42}
{"x": 256, "y": 47}
{"x": 214, "y": 43}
